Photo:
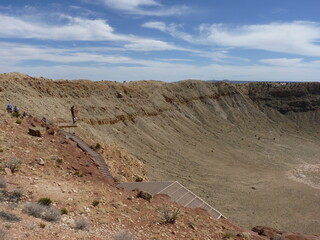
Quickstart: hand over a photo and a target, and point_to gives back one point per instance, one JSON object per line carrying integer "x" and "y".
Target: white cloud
{"x": 13, "y": 53}
{"x": 299, "y": 37}
{"x": 156, "y": 25}
{"x": 283, "y": 61}
{"x": 171, "y": 72}
{"x": 173, "y": 29}
{"x": 291, "y": 63}
{"x": 130, "y": 5}
{"x": 151, "y": 45}
{"x": 74, "y": 29}
{"x": 294, "y": 38}
{"x": 78, "y": 29}
{"x": 145, "y": 7}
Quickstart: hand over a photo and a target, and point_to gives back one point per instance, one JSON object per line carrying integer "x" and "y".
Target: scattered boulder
{"x": 36, "y": 131}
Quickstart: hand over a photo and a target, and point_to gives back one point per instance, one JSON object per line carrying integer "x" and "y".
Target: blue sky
{"x": 119, "y": 40}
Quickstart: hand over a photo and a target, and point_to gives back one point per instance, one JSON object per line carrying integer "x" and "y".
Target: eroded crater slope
{"x": 235, "y": 145}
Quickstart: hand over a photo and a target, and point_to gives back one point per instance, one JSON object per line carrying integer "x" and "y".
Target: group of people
{"x": 15, "y": 109}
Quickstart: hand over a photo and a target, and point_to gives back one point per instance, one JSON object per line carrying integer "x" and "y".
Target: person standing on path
{"x": 74, "y": 113}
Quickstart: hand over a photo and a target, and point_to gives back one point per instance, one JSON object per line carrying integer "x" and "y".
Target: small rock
{"x": 36, "y": 132}
{"x": 40, "y": 161}
{"x": 86, "y": 209}
{"x": 192, "y": 226}
{"x": 139, "y": 179}
{"x": 119, "y": 95}
{"x": 8, "y": 171}
{"x": 119, "y": 178}
{"x": 245, "y": 235}
{"x": 51, "y": 131}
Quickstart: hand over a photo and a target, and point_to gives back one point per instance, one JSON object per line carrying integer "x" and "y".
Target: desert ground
{"x": 250, "y": 150}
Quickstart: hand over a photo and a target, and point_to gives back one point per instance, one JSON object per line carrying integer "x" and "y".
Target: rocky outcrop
{"x": 286, "y": 97}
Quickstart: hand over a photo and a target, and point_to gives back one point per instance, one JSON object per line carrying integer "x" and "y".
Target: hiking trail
{"x": 96, "y": 156}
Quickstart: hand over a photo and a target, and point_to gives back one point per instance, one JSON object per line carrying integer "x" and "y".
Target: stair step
{"x": 96, "y": 156}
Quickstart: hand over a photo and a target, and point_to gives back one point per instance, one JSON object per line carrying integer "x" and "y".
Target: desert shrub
{"x": 51, "y": 214}
{"x": 3, "y": 234}
{"x": 95, "y": 203}
{"x": 59, "y": 160}
{"x": 169, "y": 215}
{"x": 38, "y": 210}
{"x": 64, "y": 211}
{"x": 18, "y": 121}
{"x": 14, "y": 196}
{"x": 144, "y": 195}
{"x": 42, "y": 225}
{"x": 9, "y": 217}
{"x": 124, "y": 235}
{"x": 34, "y": 209}
{"x": 228, "y": 235}
{"x": 16, "y": 114}
{"x": 81, "y": 224}
{"x": 13, "y": 164}
{"x": 45, "y": 201}
{"x": 1, "y": 150}
{"x": 17, "y": 194}
{"x": 97, "y": 146}
{"x": 3, "y": 183}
